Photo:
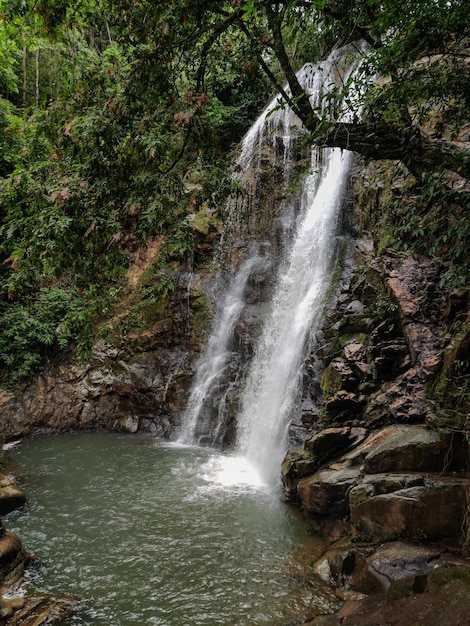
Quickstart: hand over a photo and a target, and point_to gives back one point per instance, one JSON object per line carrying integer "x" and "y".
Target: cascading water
{"x": 271, "y": 383}
{"x": 214, "y": 360}
{"x": 275, "y": 371}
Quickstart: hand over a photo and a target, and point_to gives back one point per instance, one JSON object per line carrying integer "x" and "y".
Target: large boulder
{"x": 332, "y": 442}
{"x": 13, "y": 558}
{"x": 370, "y": 570}
{"x": 400, "y": 481}
{"x": 416, "y": 449}
{"x": 434, "y": 511}
{"x": 11, "y": 496}
{"x": 325, "y": 493}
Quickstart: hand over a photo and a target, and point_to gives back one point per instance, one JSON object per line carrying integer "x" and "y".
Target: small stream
{"x": 157, "y": 534}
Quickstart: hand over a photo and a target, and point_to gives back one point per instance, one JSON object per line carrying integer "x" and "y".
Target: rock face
{"x": 135, "y": 380}
{"x": 383, "y": 473}
{"x": 144, "y": 393}
{"x": 376, "y": 461}
{"x": 38, "y": 611}
{"x": 404, "y": 585}
{"x": 399, "y": 482}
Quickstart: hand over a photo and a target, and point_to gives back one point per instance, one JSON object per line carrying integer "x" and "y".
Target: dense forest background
{"x": 119, "y": 119}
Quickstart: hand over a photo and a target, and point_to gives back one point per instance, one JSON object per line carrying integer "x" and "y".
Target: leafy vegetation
{"x": 117, "y": 119}
{"x": 102, "y": 133}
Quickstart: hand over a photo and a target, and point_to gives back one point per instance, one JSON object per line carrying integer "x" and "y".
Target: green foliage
{"x": 118, "y": 117}
{"x": 437, "y": 223}
{"x": 30, "y": 331}
{"x": 10, "y": 141}
{"x": 158, "y": 286}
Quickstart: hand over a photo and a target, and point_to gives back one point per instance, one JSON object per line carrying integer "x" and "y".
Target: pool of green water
{"x": 153, "y": 534}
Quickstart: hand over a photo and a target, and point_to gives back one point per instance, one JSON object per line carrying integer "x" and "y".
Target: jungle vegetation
{"x": 118, "y": 119}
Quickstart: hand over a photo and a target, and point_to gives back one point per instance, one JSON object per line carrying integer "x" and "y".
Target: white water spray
{"x": 272, "y": 382}
{"x": 274, "y": 374}
{"x": 213, "y": 361}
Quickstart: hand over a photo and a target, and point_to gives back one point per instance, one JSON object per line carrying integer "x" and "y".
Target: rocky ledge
{"x": 379, "y": 458}
{"x": 397, "y": 482}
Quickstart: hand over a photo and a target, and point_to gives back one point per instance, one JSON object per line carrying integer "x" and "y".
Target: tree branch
{"x": 419, "y": 153}
{"x": 216, "y": 33}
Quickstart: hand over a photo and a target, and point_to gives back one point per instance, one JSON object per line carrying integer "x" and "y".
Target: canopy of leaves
{"x": 118, "y": 117}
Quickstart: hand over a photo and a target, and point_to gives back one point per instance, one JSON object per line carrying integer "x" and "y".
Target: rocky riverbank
{"x": 383, "y": 472}
{"x": 24, "y": 610}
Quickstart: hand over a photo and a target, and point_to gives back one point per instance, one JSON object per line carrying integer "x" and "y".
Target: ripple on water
{"x": 157, "y": 535}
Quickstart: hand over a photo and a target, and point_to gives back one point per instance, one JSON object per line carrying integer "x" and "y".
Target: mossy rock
{"x": 331, "y": 381}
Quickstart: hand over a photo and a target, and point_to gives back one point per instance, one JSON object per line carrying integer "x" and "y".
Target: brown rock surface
{"x": 332, "y": 442}
{"x": 11, "y": 496}
{"x": 325, "y": 492}
{"x": 13, "y": 559}
{"x": 445, "y": 601}
{"x": 434, "y": 511}
{"x": 416, "y": 449}
{"x": 37, "y": 611}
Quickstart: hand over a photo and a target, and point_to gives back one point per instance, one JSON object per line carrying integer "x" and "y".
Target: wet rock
{"x": 343, "y": 405}
{"x": 396, "y": 561}
{"x": 390, "y": 357}
{"x": 347, "y": 567}
{"x": 127, "y": 424}
{"x": 393, "y": 570}
{"x": 355, "y": 350}
{"x": 382, "y": 481}
{"x": 355, "y": 308}
{"x": 325, "y": 493}
{"x": 105, "y": 394}
{"x": 338, "y": 375}
{"x": 378, "y": 484}
{"x": 13, "y": 558}
{"x": 416, "y": 449}
{"x": 352, "y": 324}
{"x": 434, "y": 511}
{"x": 157, "y": 337}
{"x": 38, "y": 611}
{"x": 403, "y": 400}
{"x": 446, "y": 601}
{"x": 333, "y": 442}
{"x": 11, "y": 496}
{"x": 295, "y": 467}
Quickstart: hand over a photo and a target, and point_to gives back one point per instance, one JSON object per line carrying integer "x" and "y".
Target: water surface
{"x": 153, "y": 534}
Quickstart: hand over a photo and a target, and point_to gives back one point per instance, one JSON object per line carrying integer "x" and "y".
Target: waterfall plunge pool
{"x": 153, "y": 534}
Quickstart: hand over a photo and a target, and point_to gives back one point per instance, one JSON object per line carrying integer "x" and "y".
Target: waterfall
{"x": 275, "y": 371}
{"x": 270, "y": 387}
{"x": 213, "y": 361}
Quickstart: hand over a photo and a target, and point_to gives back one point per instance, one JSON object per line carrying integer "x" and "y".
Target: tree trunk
{"x": 25, "y": 75}
{"x": 37, "y": 78}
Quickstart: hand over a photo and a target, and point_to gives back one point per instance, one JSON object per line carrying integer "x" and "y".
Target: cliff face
{"x": 136, "y": 378}
{"x": 379, "y": 457}
{"x": 377, "y": 433}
